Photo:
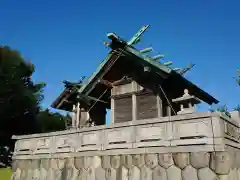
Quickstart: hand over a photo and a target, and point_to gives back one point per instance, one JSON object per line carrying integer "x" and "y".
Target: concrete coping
{"x": 180, "y": 117}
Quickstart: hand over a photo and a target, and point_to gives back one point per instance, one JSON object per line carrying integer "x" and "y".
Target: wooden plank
{"x": 147, "y": 106}
{"x": 123, "y": 109}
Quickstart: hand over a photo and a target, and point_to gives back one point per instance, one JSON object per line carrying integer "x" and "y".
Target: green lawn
{"x": 5, "y": 173}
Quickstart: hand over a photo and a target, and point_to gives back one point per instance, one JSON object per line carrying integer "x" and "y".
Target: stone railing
{"x": 198, "y": 146}
{"x": 191, "y": 132}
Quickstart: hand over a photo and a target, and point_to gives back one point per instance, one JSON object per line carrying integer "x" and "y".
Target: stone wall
{"x": 175, "y": 166}
{"x": 183, "y": 147}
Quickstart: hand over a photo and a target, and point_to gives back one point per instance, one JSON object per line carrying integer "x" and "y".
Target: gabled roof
{"x": 122, "y": 46}
{"x": 119, "y": 48}
{"x": 62, "y": 101}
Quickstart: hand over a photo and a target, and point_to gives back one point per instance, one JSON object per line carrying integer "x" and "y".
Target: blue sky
{"x": 64, "y": 39}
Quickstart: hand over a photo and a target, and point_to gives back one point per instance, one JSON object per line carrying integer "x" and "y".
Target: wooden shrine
{"x": 130, "y": 82}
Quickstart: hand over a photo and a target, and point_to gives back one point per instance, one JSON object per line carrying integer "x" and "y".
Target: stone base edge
{"x": 148, "y": 150}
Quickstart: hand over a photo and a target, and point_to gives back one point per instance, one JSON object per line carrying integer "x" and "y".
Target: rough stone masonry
{"x": 167, "y": 166}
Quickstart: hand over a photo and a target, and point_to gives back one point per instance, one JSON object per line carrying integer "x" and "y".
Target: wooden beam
{"x": 146, "y": 50}
{"x": 137, "y": 36}
{"x": 64, "y": 100}
{"x": 158, "y": 57}
{"x": 168, "y": 63}
{"x": 123, "y": 79}
{"x": 106, "y": 83}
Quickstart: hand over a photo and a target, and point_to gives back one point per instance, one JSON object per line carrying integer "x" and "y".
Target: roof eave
{"x": 60, "y": 98}
{"x": 204, "y": 95}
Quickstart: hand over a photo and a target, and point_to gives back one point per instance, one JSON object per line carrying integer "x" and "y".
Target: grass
{"x": 5, "y": 173}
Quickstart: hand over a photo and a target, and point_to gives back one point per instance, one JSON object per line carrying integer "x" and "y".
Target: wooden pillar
{"x": 169, "y": 111}
{"x": 84, "y": 117}
{"x": 134, "y": 101}
{"x": 74, "y": 116}
{"x": 112, "y": 109}
{"x": 78, "y": 115}
{"x": 159, "y": 106}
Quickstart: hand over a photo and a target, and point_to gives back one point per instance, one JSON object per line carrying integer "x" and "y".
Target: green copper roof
{"x": 95, "y": 73}
{"x": 140, "y": 56}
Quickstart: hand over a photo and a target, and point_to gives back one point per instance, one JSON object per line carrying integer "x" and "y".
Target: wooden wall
{"x": 130, "y": 102}
{"x": 123, "y": 109}
{"x": 146, "y": 106}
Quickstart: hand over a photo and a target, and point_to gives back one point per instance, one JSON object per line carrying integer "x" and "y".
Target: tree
{"x": 20, "y": 97}
{"x": 49, "y": 121}
{"x": 20, "y": 100}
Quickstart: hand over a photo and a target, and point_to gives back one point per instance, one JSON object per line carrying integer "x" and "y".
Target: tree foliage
{"x": 221, "y": 108}
{"x": 49, "y": 121}
{"x": 20, "y": 100}
{"x": 20, "y": 97}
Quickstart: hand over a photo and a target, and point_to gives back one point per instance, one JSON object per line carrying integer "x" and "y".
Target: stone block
{"x": 29, "y": 174}
{"x": 14, "y": 165}
{"x": 221, "y": 162}
{"x": 181, "y": 160}
{"x": 87, "y": 162}
{"x": 53, "y": 164}
{"x": 146, "y": 173}
{"x": 78, "y": 162}
{"x": 43, "y": 174}
{"x": 151, "y": 160}
{"x": 24, "y": 164}
{"x": 236, "y": 116}
{"x": 106, "y": 162}
{"x": 127, "y": 160}
{"x": 82, "y": 174}
{"x": 233, "y": 174}
{"x": 111, "y": 174}
{"x": 138, "y": 160}
{"x": 123, "y": 173}
{"x": 193, "y": 128}
{"x": 115, "y": 161}
{"x": 159, "y": 173}
{"x": 237, "y": 159}
{"x": 69, "y": 162}
{"x": 35, "y": 164}
{"x": 100, "y": 174}
{"x": 16, "y": 175}
{"x": 174, "y": 173}
{"x": 50, "y": 174}
{"x": 58, "y": 174}
{"x": 45, "y": 163}
{"x": 199, "y": 159}
{"x": 97, "y": 162}
{"x": 238, "y": 172}
{"x": 134, "y": 173}
{"x": 165, "y": 160}
{"x": 189, "y": 173}
{"x": 36, "y": 174}
{"x": 223, "y": 177}
{"x": 23, "y": 175}
{"x": 61, "y": 163}
{"x": 90, "y": 174}
{"x": 206, "y": 174}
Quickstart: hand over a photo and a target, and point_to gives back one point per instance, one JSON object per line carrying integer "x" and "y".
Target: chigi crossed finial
{"x": 136, "y": 38}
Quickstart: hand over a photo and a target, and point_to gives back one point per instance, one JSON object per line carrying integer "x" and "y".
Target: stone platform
{"x": 197, "y": 146}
